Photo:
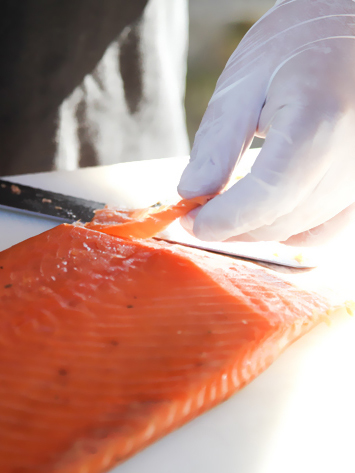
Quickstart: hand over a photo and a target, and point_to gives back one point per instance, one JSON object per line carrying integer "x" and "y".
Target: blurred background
{"x": 216, "y": 28}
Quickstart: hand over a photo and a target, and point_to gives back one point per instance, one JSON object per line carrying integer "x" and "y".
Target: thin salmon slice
{"x": 107, "y": 344}
{"x": 143, "y": 223}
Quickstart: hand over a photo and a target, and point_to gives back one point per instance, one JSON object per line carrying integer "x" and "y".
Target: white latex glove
{"x": 292, "y": 81}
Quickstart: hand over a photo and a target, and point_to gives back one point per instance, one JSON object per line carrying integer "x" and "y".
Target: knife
{"x": 46, "y": 203}
{"x": 64, "y": 208}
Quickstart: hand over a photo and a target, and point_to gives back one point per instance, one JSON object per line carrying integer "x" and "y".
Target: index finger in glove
{"x": 291, "y": 163}
{"x": 227, "y": 129}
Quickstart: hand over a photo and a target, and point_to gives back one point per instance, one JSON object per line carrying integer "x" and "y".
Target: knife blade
{"x": 65, "y": 208}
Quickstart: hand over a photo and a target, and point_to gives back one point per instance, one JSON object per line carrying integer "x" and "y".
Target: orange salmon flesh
{"x": 107, "y": 344}
{"x": 144, "y": 223}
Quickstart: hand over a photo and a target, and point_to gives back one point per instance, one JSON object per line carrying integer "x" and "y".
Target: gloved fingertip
{"x": 202, "y": 178}
{"x": 186, "y": 193}
{"x": 187, "y": 222}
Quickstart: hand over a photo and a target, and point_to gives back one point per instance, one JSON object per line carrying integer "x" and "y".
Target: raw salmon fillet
{"x": 107, "y": 344}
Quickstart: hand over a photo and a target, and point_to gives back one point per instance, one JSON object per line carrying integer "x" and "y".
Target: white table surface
{"x": 298, "y": 416}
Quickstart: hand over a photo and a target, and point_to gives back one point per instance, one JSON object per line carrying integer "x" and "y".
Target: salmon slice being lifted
{"x": 107, "y": 344}
{"x": 143, "y": 223}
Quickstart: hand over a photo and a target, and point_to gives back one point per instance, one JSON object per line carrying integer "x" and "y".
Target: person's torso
{"x": 77, "y": 81}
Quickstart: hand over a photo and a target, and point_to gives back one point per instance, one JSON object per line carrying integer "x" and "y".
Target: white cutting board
{"x": 298, "y": 416}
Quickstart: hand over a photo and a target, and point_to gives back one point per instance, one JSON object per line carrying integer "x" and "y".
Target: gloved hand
{"x": 292, "y": 81}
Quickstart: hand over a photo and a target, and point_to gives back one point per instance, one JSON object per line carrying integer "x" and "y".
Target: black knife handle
{"x": 39, "y": 201}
